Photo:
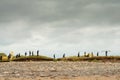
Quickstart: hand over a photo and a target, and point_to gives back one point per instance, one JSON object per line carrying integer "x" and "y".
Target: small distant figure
{"x": 37, "y": 52}
{"x": 54, "y": 56}
{"x": 78, "y": 54}
{"x": 25, "y": 53}
{"x": 9, "y": 57}
{"x": 32, "y": 53}
{"x": 29, "y": 53}
{"x": 19, "y": 55}
{"x": 106, "y": 53}
{"x": 97, "y": 53}
{"x": 64, "y": 55}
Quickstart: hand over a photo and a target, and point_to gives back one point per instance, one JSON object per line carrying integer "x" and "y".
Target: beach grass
{"x": 33, "y": 58}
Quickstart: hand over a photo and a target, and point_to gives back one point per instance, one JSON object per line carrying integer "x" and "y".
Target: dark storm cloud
{"x": 54, "y": 23}
{"x": 87, "y": 11}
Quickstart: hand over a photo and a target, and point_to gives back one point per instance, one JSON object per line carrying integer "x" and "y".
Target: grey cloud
{"x": 13, "y": 32}
{"x": 54, "y": 23}
{"x": 88, "y": 12}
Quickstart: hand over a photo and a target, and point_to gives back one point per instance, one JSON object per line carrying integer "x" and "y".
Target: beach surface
{"x": 59, "y": 70}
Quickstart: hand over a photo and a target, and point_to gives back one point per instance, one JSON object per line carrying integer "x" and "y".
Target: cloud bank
{"x": 55, "y": 26}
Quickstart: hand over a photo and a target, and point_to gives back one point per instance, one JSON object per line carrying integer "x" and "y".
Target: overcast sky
{"x": 59, "y": 26}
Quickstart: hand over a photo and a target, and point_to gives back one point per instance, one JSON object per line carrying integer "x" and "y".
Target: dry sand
{"x": 59, "y": 71}
{"x": 68, "y": 78}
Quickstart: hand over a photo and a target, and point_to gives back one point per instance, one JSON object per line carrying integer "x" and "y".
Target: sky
{"x": 60, "y": 26}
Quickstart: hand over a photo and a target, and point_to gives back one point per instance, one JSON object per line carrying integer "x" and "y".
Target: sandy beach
{"x": 59, "y": 71}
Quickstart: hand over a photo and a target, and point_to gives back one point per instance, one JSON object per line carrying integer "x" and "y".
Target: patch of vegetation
{"x": 92, "y": 59}
{"x": 33, "y": 58}
{"x": 3, "y": 54}
{"x": 3, "y": 57}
